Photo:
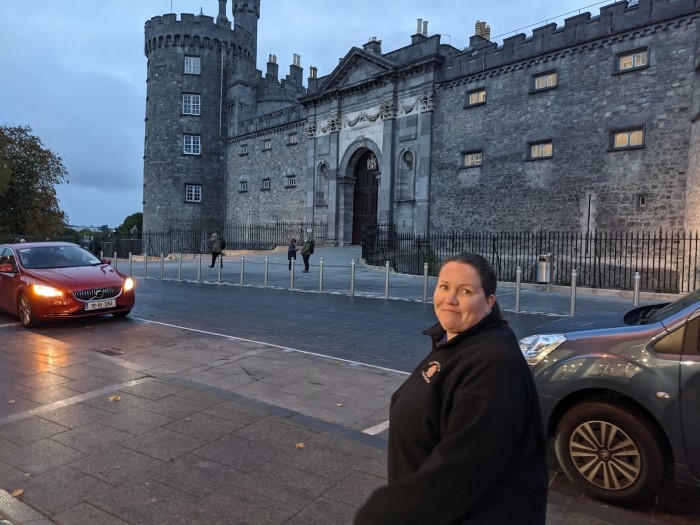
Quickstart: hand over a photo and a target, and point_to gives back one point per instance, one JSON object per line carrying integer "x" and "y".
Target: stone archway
{"x": 365, "y": 194}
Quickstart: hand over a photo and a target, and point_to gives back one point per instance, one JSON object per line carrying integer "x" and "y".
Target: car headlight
{"x": 536, "y": 347}
{"x": 128, "y": 284}
{"x": 46, "y": 291}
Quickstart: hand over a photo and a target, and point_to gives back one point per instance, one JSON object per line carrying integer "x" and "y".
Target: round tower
{"x": 184, "y": 150}
{"x": 246, "y": 14}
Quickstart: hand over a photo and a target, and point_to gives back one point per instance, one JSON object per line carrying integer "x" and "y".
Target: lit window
{"x": 291, "y": 181}
{"x": 193, "y": 193}
{"x": 633, "y": 60}
{"x": 243, "y": 186}
{"x": 476, "y": 98}
{"x": 192, "y": 66}
{"x": 473, "y": 158}
{"x": 541, "y": 150}
{"x": 267, "y": 144}
{"x": 266, "y": 184}
{"x": 292, "y": 138}
{"x": 545, "y": 81}
{"x": 632, "y": 138}
{"x": 191, "y": 145}
{"x": 190, "y": 104}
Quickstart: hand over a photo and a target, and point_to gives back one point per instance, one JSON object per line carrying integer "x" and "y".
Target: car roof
{"x": 43, "y": 244}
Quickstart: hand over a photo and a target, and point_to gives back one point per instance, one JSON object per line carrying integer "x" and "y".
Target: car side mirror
{"x": 105, "y": 260}
{"x": 7, "y": 268}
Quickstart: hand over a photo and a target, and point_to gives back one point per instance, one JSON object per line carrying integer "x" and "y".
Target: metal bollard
{"x": 518, "y": 281}
{"x": 116, "y": 261}
{"x": 179, "y": 269}
{"x": 145, "y": 265}
{"x": 199, "y": 269}
{"x": 218, "y": 270}
{"x": 267, "y": 261}
{"x": 572, "y": 309}
{"x": 352, "y": 277}
{"x": 242, "y": 269}
{"x": 291, "y": 273}
{"x": 386, "y": 280}
{"x": 102, "y": 255}
{"x": 320, "y": 275}
{"x": 637, "y": 287}
{"x": 425, "y": 282}
{"x": 131, "y": 264}
{"x": 162, "y": 264}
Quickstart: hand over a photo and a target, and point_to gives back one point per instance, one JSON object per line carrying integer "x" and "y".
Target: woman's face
{"x": 459, "y": 299}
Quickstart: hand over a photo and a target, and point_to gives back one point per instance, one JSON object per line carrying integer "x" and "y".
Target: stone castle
{"x": 593, "y": 125}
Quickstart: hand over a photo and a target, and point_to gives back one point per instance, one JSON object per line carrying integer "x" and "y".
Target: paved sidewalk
{"x": 162, "y": 425}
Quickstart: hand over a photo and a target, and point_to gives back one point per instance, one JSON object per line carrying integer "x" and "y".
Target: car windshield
{"x": 659, "y": 315}
{"x": 45, "y": 257}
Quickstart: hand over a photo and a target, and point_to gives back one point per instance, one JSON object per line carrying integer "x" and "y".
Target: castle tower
{"x": 246, "y": 14}
{"x": 184, "y": 150}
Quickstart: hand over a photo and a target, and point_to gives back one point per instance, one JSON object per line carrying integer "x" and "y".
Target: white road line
{"x": 285, "y": 348}
{"x": 376, "y": 429}
{"x": 8, "y": 324}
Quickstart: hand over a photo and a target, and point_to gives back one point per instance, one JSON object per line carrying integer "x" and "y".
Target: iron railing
{"x": 668, "y": 261}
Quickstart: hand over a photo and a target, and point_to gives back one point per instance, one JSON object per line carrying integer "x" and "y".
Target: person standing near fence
{"x": 306, "y": 252}
{"x": 292, "y": 250}
{"x": 215, "y": 249}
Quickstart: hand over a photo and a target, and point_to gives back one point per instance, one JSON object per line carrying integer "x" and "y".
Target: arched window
{"x": 321, "y": 190}
{"x": 406, "y": 180}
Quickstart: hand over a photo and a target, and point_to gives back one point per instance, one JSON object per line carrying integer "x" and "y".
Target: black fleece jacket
{"x": 466, "y": 441}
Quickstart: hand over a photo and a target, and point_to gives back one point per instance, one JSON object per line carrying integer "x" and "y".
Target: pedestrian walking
{"x": 466, "y": 441}
{"x": 292, "y": 250}
{"x": 217, "y": 245}
{"x": 306, "y": 252}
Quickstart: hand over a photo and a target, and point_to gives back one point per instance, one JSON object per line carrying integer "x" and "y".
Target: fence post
{"x": 572, "y": 308}
{"x": 320, "y": 275}
{"x": 352, "y": 277}
{"x": 162, "y": 264}
{"x": 637, "y": 286}
{"x": 425, "y": 282}
{"x": 267, "y": 261}
{"x": 518, "y": 282}
{"x": 242, "y": 268}
{"x": 199, "y": 269}
{"x": 179, "y": 268}
{"x": 386, "y": 280}
{"x": 131, "y": 262}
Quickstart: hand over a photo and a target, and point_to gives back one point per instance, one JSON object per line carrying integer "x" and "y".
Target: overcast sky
{"x": 74, "y": 70}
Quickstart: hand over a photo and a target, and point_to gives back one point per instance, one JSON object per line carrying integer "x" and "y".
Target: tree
{"x": 29, "y": 173}
{"x": 135, "y": 219}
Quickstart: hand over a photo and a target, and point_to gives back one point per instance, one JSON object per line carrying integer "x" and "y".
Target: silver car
{"x": 620, "y": 396}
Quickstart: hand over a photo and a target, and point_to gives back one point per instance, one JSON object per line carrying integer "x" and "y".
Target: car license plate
{"x": 99, "y": 305}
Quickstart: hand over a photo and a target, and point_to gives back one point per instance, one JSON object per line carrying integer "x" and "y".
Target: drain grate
{"x": 110, "y": 351}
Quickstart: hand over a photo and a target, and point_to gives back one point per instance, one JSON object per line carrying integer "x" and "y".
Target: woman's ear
{"x": 491, "y": 299}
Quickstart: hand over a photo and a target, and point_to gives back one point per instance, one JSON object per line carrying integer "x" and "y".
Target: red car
{"x": 43, "y": 281}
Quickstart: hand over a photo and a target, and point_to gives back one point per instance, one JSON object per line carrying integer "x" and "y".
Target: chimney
{"x": 482, "y": 30}
{"x": 373, "y": 46}
{"x": 421, "y": 31}
{"x": 313, "y": 72}
{"x": 221, "y": 19}
{"x": 272, "y": 68}
{"x": 295, "y": 70}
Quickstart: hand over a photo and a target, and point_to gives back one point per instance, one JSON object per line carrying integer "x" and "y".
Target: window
{"x": 193, "y": 193}
{"x": 632, "y": 60}
{"x": 192, "y": 66}
{"x": 628, "y": 139}
{"x": 292, "y": 139}
{"x": 641, "y": 201}
{"x": 266, "y": 184}
{"x": 243, "y": 186}
{"x": 267, "y": 144}
{"x": 545, "y": 81}
{"x": 190, "y": 104}
{"x": 476, "y": 98}
{"x": 472, "y": 159}
{"x": 191, "y": 145}
{"x": 541, "y": 150}
{"x": 291, "y": 181}
{"x": 243, "y": 149}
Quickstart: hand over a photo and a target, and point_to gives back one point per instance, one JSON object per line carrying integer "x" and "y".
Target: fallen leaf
{"x": 16, "y": 493}
{"x": 300, "y": 445}
{"x": 11, "y": 401}
{"x": 114, "y": 398}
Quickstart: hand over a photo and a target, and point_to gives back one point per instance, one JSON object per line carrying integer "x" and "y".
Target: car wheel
{"x": 610, "y": 452}
{"x": 24, "y": 309}
{"x": 121, "y": 314}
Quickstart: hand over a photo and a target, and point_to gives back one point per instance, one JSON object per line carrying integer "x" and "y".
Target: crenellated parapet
{"x": 614, "y": 21}
{"x": 192, "y": 31}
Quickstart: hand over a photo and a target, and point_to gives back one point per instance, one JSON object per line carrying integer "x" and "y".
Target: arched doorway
{"x": 364, "y": 208}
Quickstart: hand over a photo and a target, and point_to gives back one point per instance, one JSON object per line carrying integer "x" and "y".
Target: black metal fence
{"x": 237, "y": 237}
{"x": 667, "y": 261}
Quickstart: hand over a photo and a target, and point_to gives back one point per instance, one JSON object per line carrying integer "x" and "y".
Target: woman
{"x": 466, "y": 442}
{"x": 216, "y": 249}
{"x": 292, "y": 252}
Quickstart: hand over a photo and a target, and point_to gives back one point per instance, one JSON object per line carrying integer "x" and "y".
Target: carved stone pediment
{"x": 357, "y": 68}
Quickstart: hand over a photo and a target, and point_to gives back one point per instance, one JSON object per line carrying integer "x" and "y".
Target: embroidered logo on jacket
{"x": 433, "y": 368}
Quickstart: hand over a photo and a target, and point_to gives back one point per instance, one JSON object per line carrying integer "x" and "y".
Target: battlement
{"x": 292, "y": 116}
{"x": 614, "y": 18}
{"x": 189, "y": 29}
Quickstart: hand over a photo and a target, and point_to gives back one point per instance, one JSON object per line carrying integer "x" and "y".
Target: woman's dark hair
{"x": 481, "y": 265}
